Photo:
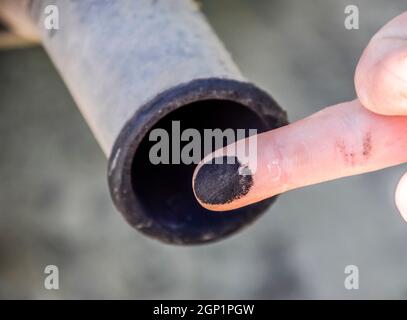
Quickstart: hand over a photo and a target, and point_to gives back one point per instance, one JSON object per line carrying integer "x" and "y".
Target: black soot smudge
{"x": 220, "y": 183}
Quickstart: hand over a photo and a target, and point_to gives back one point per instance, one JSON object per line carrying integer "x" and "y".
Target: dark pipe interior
{"x": 165, "y": 190}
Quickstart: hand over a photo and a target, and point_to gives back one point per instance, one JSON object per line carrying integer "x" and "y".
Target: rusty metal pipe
{"x": 133, "y": 65}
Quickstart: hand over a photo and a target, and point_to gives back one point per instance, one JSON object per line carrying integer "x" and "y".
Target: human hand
{"x": 350, "y": 138}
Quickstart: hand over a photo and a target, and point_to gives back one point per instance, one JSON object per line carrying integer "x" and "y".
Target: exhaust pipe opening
{"x": 136, "y": 184}
{"x": 161, "y": 49}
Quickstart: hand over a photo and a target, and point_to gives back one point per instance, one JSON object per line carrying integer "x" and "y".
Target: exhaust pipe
{"x": 136, "y": 65}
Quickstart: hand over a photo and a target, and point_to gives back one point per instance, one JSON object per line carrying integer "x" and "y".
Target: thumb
{"x": 381, "y": 74}
{"x": 381, "y": 81}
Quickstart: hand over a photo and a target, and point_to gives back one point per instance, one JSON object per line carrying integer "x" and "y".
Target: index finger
{"x": 381, "y": 75}
{"x": 339, "y": 141}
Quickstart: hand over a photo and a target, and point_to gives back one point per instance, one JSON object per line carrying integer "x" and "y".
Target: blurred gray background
{"x": 55, "y": 207}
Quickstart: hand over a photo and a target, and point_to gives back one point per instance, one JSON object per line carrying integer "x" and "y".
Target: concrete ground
{"x": 55, "y": 207}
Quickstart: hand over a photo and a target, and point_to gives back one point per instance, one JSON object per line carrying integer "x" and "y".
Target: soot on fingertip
{"x": 222, "y": 181}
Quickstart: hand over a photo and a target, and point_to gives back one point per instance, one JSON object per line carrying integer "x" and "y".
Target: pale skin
{"x": 363, "y": 135}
